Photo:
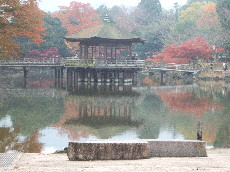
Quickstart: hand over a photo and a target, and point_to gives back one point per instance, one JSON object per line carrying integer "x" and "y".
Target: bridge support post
{"x": 69, "y": 77}
{"x": 162, "y": 77}
{"x": 135, "y": 77}
{"x": 58, "y": 72}
{"x": 25, "y": 72}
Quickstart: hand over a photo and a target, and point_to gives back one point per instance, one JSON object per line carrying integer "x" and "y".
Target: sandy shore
{"x": 218, "y": 160}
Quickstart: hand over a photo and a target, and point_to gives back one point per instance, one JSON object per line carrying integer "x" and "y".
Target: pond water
{"x": 38, "y": 116}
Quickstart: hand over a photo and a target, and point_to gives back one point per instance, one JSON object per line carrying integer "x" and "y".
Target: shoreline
{"x": 217, "y": 160}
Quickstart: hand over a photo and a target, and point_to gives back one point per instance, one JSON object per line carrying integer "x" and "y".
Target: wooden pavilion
{"x": 105, "y": 44}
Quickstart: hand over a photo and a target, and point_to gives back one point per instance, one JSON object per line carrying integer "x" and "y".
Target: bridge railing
{"x": 100, "y": 63}
{"x": 27, "y": 62}
{"x": 173, "y": 66}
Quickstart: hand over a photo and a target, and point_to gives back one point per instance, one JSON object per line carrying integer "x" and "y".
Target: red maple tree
{"x": 47, "y": 54}
{"x": 186, "y": 51}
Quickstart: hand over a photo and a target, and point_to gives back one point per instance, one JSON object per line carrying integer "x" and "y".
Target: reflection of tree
{"x": 223, "y": 134}
{"x": 152, "y": 112}
{"x": 186, "y": 103}
{"x": 149, "y": 81}
{"x": 33, "y": 113}
{"x": 42, "y": 83}
{"x": 10, "y": 140}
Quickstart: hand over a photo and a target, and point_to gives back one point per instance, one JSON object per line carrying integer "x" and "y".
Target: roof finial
{"x": 106, "y": 18}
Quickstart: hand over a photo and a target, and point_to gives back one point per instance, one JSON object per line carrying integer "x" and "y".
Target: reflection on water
{"x": 43, "y": 118}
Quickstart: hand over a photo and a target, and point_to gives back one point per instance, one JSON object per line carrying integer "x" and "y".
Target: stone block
{"x": 107, "y": 150}
{"x": 177, "y": 148}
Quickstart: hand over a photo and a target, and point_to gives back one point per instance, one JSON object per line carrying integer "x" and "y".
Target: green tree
{"x": 148, "y": 11}
{"x": 54, "y": 37}
{"x": 199, "y": 19}
{"x": 156, "y": 35}
{"x": 102, "y": 10}
{"x": 223, "y": 10}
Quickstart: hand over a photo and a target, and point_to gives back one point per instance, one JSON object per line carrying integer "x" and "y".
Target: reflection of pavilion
{"x": 103, "y": 90}
{"x": 99, "y": 108}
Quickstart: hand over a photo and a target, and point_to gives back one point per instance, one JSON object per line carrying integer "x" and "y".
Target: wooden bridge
{"x": 100, "y": 64}
{"x": 97, "y": 70}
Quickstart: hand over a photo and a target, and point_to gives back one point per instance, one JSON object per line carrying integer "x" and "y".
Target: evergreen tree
{"x": 223, "y": 10}
{"x": 54, "y": 35}
{"x": 148, "y": 11}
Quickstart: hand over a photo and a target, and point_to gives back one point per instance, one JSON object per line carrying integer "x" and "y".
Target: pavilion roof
{"x": 104, "y": 31}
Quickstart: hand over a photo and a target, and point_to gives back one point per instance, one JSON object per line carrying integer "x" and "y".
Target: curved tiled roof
{"x": 103, "y": 31}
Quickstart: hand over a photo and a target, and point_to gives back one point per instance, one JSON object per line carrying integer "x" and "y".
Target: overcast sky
{"x": 52, "y": 5}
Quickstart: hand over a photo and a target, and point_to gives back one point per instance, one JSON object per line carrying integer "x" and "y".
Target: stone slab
{"x": 177, "y": 148}
{"x": 107, "y": 150}
{"x": 134, "y": 149}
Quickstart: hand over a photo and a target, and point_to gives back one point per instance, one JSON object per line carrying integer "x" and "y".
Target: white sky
{"x": 52, "y": 5}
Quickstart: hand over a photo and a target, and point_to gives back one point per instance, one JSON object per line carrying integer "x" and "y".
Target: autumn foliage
{"x": 77, "y": 17}
{"x": 19, "y": 19}
{"x": 47, "y": 54}
{"x": 208, "y": 17}
{"x": 186, "y": 51}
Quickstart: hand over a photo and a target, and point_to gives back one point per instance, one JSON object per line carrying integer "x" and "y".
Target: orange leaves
{"x": 148, "y": 81}
{"x": 77, "y": 17}
{"x": 203, "y": 13}
{"x": 20, "y": 19}
{"x": 208, "y": 17}
{"x": 30, "y": 20}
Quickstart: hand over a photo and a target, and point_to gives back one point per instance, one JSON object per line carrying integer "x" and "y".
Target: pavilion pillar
{"x": 86, "y": 76}
{"x": 127, "y": 76}
{"x": 121, "y": 77}
{"x": 75, "y": 77}
{"x": 81, "y": 77}
{"x": 92, "y": 76}
{"x": 99, "y": 77}
{"x": 116, "y": 76}
{"x": 107, "y": 77}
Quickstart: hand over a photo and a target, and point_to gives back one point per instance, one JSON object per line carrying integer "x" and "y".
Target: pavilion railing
{"x": 102, "y": 63}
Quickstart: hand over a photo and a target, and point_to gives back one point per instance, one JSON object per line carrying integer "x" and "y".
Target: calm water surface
{"x": 38, "y": 116}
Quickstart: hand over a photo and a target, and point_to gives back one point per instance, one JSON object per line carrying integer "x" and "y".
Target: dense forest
{"x": 200, "y": 26}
